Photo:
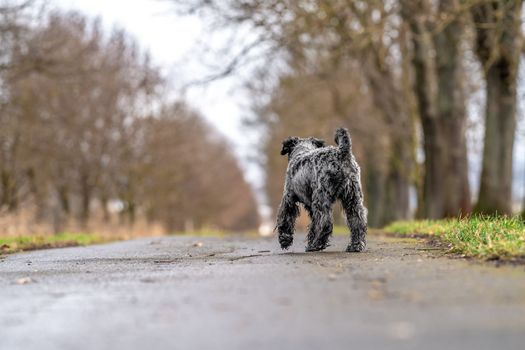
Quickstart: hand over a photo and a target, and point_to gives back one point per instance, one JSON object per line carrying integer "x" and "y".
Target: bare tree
{"x": 499, "y": 43}
{"x": 13, "y": 25}
{"x": 437, "y": 34}
{"x": 80, "y": 128}
{"x": 193, "y": 180}
{"x": 342, "y": 30}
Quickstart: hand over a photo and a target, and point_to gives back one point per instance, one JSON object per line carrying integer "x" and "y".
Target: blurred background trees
{"x": 398, "y": 74}
{"x": 499, "y": 48}
{"x": 88, "y": 138}
{"x": 88, "y": 133}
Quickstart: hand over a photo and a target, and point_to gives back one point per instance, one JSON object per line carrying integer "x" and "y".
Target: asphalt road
{"x": 239, "y": 293}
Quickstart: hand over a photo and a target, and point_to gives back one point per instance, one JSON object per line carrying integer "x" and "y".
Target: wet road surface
{"x": 245, "y": 293}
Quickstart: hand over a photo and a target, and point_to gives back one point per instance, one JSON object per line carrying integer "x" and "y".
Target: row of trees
{"x": 400, "y": 75}
{"x": 86, "y": 132}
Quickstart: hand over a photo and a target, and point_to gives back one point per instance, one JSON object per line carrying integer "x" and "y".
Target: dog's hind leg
{"x": 310, "y": 237}
{"x": 288, "y": 213}
{"x": 322, "y": 221}
{"x": 352, "y": 200}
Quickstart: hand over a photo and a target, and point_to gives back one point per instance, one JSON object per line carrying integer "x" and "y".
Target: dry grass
{"x": 25, "y": 243}
{"x": 20, "y": 232}
{"x": 24, "y": 224}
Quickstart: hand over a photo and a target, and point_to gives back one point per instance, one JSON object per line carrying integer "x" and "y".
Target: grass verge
{"x": 61, "y": 240}
{"x": 479, "y": 237}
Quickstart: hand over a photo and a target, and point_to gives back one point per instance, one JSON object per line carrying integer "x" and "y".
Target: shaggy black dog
{"x": 317, "y": 176}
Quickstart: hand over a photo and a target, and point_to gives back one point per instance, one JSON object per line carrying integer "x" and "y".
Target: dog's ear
{"x": 318, "y": 142}
{"x": 288, "y": 145}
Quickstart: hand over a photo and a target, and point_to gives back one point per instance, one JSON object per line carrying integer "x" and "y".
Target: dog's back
{"x": 311, "y": 167}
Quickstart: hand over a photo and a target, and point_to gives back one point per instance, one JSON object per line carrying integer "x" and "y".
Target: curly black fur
{"x": 316, "y": 177}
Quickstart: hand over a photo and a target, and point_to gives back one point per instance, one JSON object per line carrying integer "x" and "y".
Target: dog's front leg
{"x": 288, "y": 213}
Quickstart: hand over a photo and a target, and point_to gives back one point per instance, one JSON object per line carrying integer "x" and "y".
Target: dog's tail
{"x": 343, "y": 140}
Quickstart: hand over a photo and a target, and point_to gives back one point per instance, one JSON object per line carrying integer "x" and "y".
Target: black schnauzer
{"x": 317, "y": 176}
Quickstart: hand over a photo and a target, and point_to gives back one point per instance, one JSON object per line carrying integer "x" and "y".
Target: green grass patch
{"x": 477, "y": 236}
{"x": 61, "y": 240}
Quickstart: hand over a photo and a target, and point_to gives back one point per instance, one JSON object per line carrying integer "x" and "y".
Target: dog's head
{"x": 292, "y": 143}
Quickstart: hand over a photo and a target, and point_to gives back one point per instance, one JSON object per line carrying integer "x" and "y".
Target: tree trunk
{"x": 457, "y": 200}
{"x": 375, "y": 190}
{"x": 398, "y": 182}
{"x": 38, "y": 195}
{"x": 85, "y": 200}
{"x": 446, "y": 184}
{"x": 63, "y": 198}
{"x": 131, "y": 211}
{"x": 60, "y": 207}
{"x": 387, "y": 96}
{"x": 425, "y": 91}
{"x": 495, "y": 192}
{"x": 498, "y": 46}
{"x": 433, "y": 183}
{"x": 104, "y": 205}
{"x": 440, "y": 100}
{"x": 9, "y": 191}
{"x": 452, "y": 115}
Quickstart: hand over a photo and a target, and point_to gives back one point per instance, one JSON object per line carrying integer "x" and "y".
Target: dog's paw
{"x": 316, "y": 247}
{"x": 285, "y": 241}
{"x": 356, "y": 247}
{"x": 310, "y": 249}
